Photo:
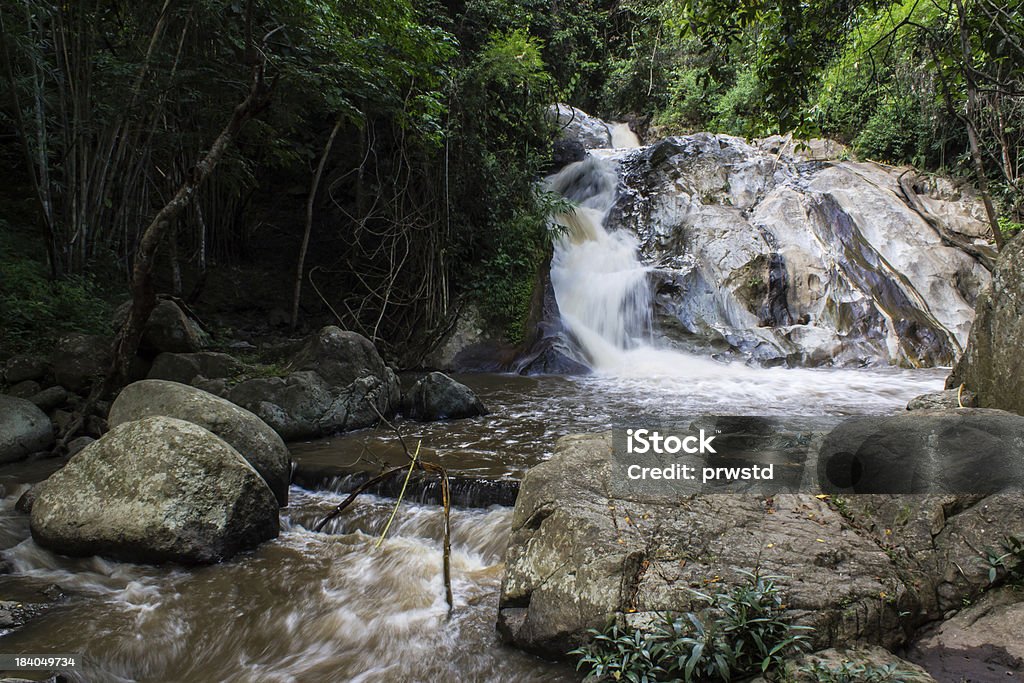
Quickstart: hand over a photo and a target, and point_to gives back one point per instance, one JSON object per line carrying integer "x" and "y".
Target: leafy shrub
{"x": 36, "y": 310}
{"x": 1007, "y": 563}
{"x": 894, "y": 133}
{"x": 848, "y": 672}
{"x": 743, "y": 631}
{"x": 738, "y": 111}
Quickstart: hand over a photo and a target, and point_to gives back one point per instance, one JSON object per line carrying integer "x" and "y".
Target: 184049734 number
{"x": 30, "y": 662}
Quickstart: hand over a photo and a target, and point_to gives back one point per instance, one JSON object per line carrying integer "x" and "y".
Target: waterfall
{"x": 599, "y": 281}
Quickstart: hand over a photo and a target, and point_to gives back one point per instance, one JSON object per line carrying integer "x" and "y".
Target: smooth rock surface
{"x": 781, "y": 259}
{"x": 241, "y": 429}
{"x": 155, "y": 490}
{"x": 24, "y": 429}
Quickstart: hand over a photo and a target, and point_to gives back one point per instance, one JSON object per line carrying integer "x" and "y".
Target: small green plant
{"x": 1009, "y": 228}
{"x": 1005, "y": 565}
{"x": 743, "y": 631}
{"x": 849, "y": 672}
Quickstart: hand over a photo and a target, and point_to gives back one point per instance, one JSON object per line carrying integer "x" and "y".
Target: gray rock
{"x": 25, "y": 389}
{"x": 438, "y": 397}
{"x": 76, "y": 446}
{"x": 339, "y": 357}
{"x": 24, "y": 429}
{"x": 24, "y": 367}
{"x": 786, "y": 260}
{"x": 958, "y": 451}
{"x": 858, "y": 569}
{"x": 578, "y": 126}
{"x": 951, "y": 398}
{"x": 50, "y": 399}
{"x": 168, "y": 329}
{"x": 80, "y": 359}
{"x": 303, "y": 405}
{"x": 187, "y": 367}
{"x": 992, "y": 365}
{"x": 987, "y": 632}
{"x": 155, "y": 490}
{"x": 241, "y": 429}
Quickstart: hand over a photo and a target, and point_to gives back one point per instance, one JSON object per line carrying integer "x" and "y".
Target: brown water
{"x": 328, "y": 606}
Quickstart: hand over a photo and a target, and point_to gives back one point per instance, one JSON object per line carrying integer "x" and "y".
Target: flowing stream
{"x": 329, "y": 606}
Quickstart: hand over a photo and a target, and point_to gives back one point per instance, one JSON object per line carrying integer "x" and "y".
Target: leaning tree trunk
{"x": 143, "y": 294}
{"x": 126, "y": 343}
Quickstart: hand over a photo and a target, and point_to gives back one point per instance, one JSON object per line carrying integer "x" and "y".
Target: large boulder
{"x": 245, "y": 432}
{"x": 339, "y": 383}
{"x": 155, "y": 490}
{"x": 24, "y": 429}
{"x": 186, "y": 367}
{"x": 169, "y": 329}
{"x": 992, "y": 364}
{"x": 438, "y": 397}
{"x": 302, "y": 405}
{"x": 771, "y": 256}
{"x": 859, "y": 568}
{"x": 78, "y": 360}
{"x": 951, "y": 398}
{"x": 25, "y": 367}
{"x": 578, "y": 126}
{"x": 339, "y": 357}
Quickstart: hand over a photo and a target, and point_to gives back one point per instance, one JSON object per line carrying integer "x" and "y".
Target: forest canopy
{"x": 400, "y": 143}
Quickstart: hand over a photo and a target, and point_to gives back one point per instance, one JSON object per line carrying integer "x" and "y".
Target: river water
{"x": 328, "y": 606}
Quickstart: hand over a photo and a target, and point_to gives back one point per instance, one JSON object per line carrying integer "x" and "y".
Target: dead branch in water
{"x": 421, "y": 466}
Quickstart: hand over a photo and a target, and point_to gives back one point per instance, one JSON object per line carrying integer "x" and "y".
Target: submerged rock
{"x": 992, "y": 365}
{"x": 438, "y": 397}
{"x": 241, "y": 429}
{"x": 24, "y": 429}
{"x": 155, "y": 490}
{"x": 864, "y": 568}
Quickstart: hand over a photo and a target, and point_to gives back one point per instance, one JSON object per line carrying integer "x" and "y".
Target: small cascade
{"x": 599, "y": 282}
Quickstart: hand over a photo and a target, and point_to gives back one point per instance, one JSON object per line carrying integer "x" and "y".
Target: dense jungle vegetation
{"x": 383, "y": 154}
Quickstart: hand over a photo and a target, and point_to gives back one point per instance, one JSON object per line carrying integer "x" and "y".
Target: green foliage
{"x": 738, "y": 110}
{"x": 742, "y": 632}
{"x": 1009, "y": 228}
{"x": 849, "y": 672}
{"x": 895, "y": 133}
{"x": 36, "y": 310}
{"x": 1005, "y": 565}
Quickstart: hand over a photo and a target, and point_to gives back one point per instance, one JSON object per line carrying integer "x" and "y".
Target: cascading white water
{"x": 599, "y": 282}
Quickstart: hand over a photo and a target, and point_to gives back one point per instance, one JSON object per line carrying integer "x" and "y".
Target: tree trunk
{"x": 970, "y": 119}
{"x": 301, "y": 267}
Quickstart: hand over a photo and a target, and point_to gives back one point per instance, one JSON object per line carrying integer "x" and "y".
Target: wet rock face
{"x": 155, "y": 490}
{"x": 796, "y": 261}
{"x": 992, "y": 365}
{"x": 589, "y": 132}
{"x": 869, "y": 568}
